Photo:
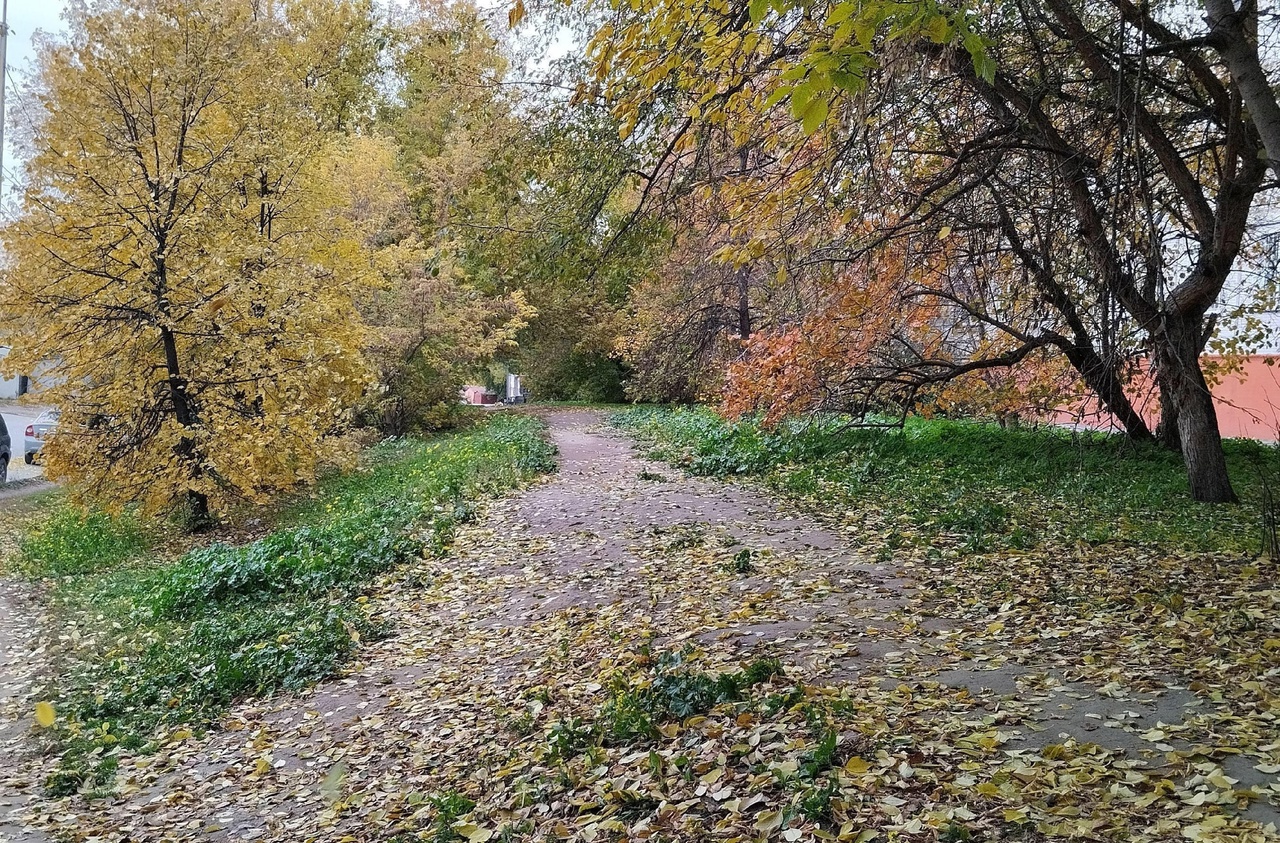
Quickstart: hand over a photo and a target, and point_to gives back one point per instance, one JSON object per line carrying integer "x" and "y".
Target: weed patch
{"x": 673, "y": 692}
{"x": 69, "y": 542}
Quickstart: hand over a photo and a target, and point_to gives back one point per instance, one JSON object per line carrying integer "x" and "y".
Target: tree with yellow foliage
{"x": 180, "y": 268}
{"x": 430, "y": 327}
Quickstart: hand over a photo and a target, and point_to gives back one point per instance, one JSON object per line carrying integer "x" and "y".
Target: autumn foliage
{"x": 183, "y": 282}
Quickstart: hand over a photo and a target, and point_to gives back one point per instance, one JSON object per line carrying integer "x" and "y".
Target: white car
{"x": 37, "y": 432}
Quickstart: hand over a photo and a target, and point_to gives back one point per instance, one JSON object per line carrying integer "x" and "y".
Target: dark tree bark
{"x": 743, "y": 278}
{"x": 1178, "y": 368}
{"x": 1106, "y": 384}
{"x": 1234, "y": 34}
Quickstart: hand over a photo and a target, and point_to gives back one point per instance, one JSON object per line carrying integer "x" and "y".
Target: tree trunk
{"x": 1233, "y": 32}
{"x": 1167, "y": 430}
{"x": 185, "y": 414}
{"x": 1177, "y": 351}
{"x": 1104, "y": 382}
{"x": 197, "y": 511}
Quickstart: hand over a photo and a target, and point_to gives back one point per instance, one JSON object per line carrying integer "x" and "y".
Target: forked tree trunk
{"x": 1177, "y": 350}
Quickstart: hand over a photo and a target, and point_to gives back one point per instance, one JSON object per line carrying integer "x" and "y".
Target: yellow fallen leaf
{"x": 1015, "y": 815}
{"x": 44, "y": 714}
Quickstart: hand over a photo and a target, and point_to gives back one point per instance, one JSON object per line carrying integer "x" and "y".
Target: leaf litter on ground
{"x": 590, "y": 663}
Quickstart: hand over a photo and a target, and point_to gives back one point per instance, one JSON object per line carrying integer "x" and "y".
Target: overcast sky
{"x": 25, "y": 17}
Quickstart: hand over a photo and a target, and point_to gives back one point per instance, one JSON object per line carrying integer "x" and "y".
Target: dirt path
{"x": 23, "y": 488}
{"x": 547, "y": 589}
{"x": 20, "y": 627}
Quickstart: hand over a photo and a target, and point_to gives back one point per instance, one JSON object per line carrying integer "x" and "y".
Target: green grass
{"x": 973, "y": 485}
{"x": 69, "y": 542}
{"x": 165, "y": 643}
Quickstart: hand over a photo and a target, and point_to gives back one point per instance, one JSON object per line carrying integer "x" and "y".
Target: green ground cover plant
{"x": 159, "y": 644}
{"x": 68, "y": 542}
{"x": 969, "y": 486}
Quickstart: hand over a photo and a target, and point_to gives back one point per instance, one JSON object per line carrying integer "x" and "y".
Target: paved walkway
{"x": 21, "y": 623}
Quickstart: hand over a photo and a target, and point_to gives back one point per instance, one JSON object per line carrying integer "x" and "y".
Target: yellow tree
{"x": 430, "y": 327}
{"x": 179, "y": 268}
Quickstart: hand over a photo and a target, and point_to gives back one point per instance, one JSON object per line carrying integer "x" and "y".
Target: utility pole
{"x": 4, "y": 75}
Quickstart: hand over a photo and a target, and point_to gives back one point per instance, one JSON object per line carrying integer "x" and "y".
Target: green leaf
{"x": 846, "y": 81}
{"x": 938, "y": 29}
{"x": 801, "y": 96}
{"x": 841, "y": 13}
{"x": 984, "y": 66}
{"x": 758, "y": 9}
{"x": 864, "y": 30}
{"x": 779, "y": 94}
{"x": 815, "y": 115}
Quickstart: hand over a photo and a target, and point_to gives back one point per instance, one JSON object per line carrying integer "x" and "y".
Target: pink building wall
{"x": 473, "y": 394}
{"x": 1247, "y": 402}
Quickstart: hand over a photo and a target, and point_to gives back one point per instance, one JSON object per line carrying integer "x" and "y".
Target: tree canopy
{"x": 247, "y": 229}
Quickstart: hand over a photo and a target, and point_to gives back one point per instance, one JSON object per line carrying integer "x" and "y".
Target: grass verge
{"x": 971, "y": 488}
{"x": 154, "y": 646}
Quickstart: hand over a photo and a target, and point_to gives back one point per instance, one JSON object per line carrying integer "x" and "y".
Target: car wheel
{"x": 4, "y": 468}
{"x": 29, "y": 458}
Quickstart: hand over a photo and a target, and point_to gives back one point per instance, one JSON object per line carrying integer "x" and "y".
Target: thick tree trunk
{"x": 1177, "y": 351}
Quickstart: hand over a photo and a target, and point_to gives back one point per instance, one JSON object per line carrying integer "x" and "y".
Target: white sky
{"x": 25, "y": 17}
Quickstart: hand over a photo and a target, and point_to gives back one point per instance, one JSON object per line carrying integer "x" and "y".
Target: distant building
{"x": 15, "y": 386}
{"x": 478, "y": 395}
{"x": 1247, "y": 402}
